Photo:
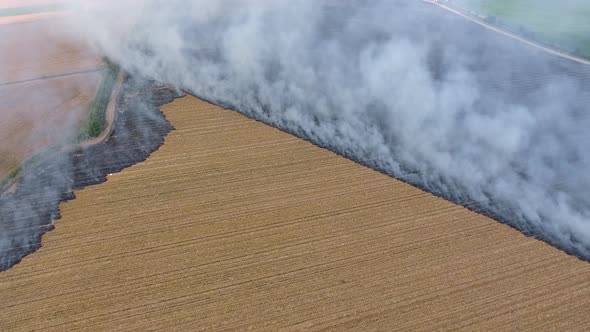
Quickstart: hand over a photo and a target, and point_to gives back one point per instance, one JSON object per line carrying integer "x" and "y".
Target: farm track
{"x": 234, "y": 224}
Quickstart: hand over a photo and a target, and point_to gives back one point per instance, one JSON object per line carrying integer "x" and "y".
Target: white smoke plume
{"x": 401, "y": 86}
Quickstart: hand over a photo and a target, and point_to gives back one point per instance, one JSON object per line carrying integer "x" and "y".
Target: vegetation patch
{"x": 563, "y": 24}
{"x": 97, "y": 110}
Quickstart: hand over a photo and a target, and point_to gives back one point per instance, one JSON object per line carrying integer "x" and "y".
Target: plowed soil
{"x": 234, "y": 224}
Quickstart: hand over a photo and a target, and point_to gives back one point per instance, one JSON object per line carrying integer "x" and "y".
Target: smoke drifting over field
{"x": 399, "y": 85}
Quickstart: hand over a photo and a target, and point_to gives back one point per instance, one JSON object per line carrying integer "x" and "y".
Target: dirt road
{"x": 234, "y": 224}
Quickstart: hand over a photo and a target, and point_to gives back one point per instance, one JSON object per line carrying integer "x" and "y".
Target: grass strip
{"x": 98, "y": 107}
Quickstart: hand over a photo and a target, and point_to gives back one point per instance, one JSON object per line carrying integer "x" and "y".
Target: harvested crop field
{"x": 31, "y": 121}
{"x": 39, "y": 49}
{"x": 234, "y": 224}
{"x": 47, "y": 80}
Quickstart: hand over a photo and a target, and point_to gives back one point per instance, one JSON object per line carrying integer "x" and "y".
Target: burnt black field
{"x": 51, "y": 178}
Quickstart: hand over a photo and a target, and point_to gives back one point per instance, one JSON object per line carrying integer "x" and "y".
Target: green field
{"x": 30, "y": 10}
{"x": 565, "y": 23}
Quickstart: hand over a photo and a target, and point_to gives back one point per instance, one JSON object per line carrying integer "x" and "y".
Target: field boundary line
{"x": 47, "y": 77}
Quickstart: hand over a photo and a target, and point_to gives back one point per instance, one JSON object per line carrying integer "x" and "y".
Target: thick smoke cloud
{"x": 401, "y": 86}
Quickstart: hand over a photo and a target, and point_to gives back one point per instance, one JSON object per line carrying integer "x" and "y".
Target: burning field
{"x": 205, "y": 217}
{"x": 232, "y": 224}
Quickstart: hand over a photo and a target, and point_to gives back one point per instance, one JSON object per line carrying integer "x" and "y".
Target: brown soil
{"x": 234, "y": 224}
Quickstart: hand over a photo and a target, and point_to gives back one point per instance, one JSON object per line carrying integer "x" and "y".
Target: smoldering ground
{"x": 402, "y": 86}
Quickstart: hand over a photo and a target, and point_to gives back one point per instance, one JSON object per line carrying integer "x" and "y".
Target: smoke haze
{"x": 401, "y": 86}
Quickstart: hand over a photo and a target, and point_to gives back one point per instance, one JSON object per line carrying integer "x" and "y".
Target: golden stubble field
{"x": 48, "y": 77}
{"x": 232, "y": 224}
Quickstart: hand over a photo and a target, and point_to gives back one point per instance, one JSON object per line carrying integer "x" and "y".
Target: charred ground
{"x": 52, "y": 176}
